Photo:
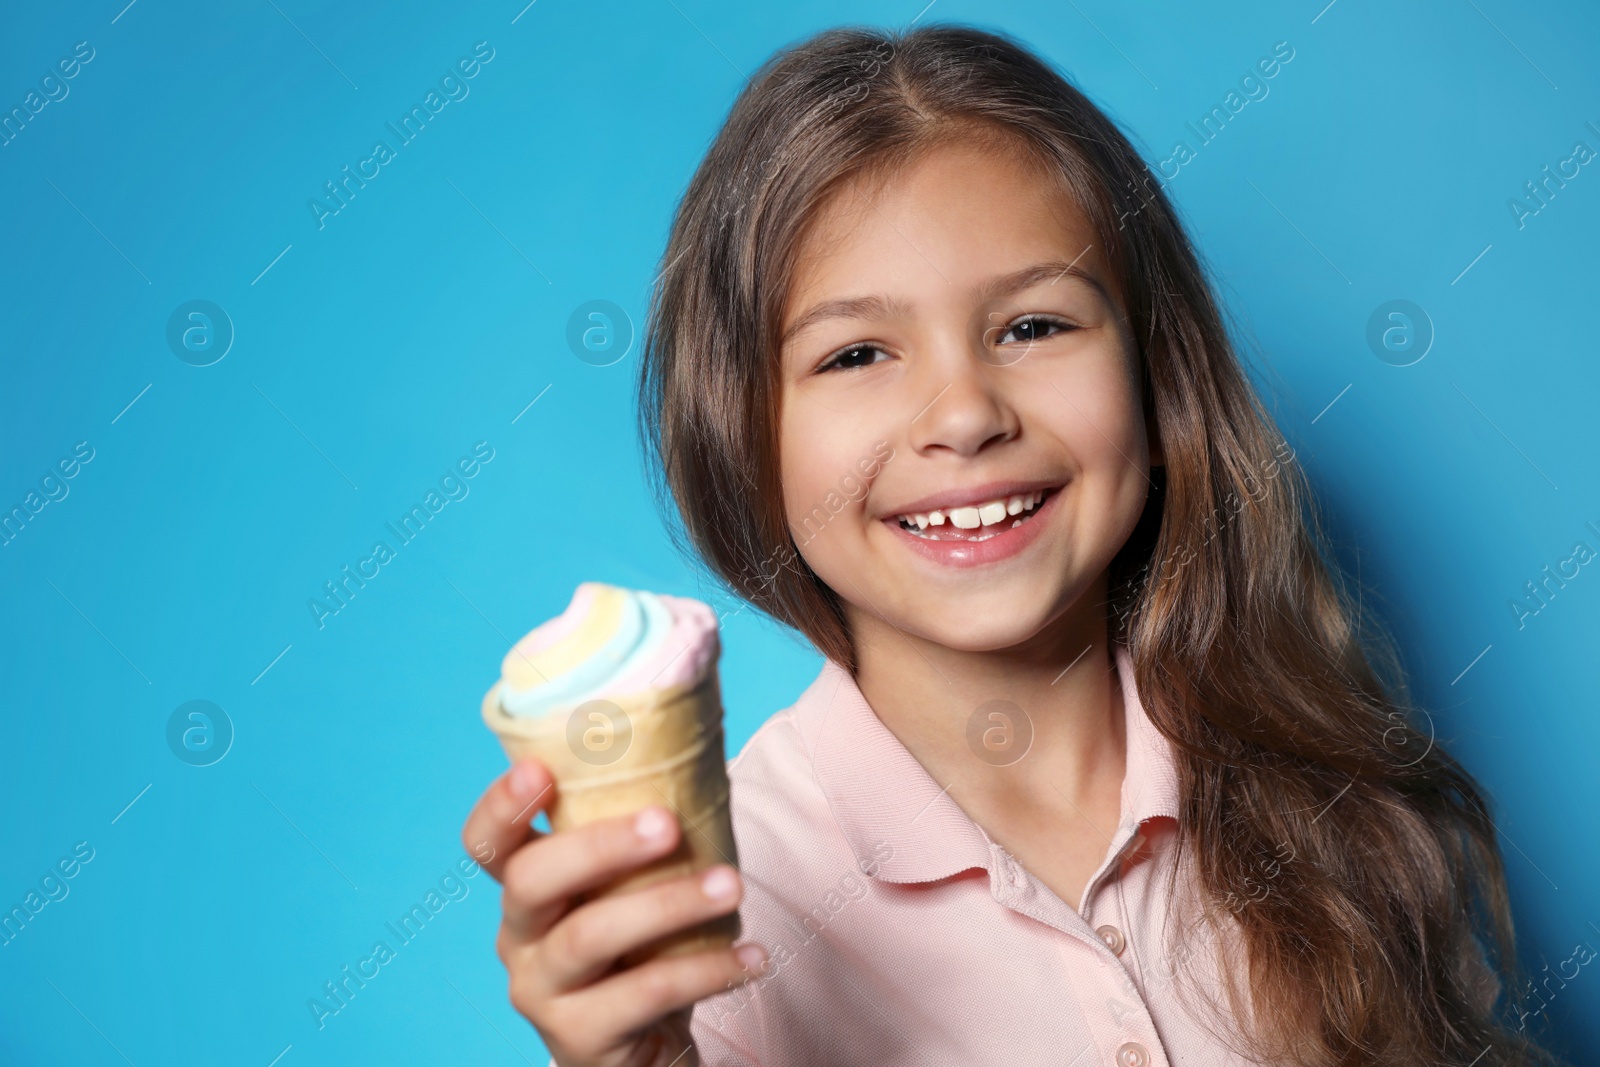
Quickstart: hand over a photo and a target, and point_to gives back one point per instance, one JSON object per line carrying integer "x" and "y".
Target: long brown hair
{"x": 1356, "y": 858}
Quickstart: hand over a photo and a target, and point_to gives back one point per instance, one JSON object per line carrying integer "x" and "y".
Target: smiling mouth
{"x": 974, "y": 524}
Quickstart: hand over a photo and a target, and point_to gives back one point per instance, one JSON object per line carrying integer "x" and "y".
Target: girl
{"x": 1101, "y": 767}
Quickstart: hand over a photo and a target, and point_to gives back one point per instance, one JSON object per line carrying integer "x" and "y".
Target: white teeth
{"x": 970, "y": 518}
{"x": 965, "y": 518}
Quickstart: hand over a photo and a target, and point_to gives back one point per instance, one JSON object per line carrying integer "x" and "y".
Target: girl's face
{"x": 964, "y": 318}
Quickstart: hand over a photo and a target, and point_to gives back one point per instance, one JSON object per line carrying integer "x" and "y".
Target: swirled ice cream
{"x": 610, "y": 642}
{"x": 619, "y": 697}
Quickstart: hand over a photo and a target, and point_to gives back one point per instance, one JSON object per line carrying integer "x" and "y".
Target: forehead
{"x": 969, "y": 206}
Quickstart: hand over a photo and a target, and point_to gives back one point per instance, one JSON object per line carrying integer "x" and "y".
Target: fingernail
{"x": 719, "y": 883}
{"x": 524, "y": 782}
{"x": 652, "y": 825}
{"x": 752, "y": 957}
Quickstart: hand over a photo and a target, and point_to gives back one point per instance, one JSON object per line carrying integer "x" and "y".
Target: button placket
{"x": 1108, "y": 933}
{"x": 1130, "y": 953}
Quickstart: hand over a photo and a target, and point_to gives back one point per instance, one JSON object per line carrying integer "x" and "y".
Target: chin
{"x": 982, "y": 631}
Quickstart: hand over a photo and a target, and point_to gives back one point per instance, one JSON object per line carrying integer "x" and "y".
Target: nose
{"x": 968, "y": 408}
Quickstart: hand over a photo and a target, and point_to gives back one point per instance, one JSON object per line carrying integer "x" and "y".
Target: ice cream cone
{"x": 618, "y": 755}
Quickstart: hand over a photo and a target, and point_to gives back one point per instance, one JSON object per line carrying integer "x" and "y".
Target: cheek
{"x": 1092, "y": 406}
{"x": 823, "y": 491}
{"x": 815, "y": 449}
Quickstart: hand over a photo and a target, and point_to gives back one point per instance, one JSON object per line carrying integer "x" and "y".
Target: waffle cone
{"x": 664, "y": 748}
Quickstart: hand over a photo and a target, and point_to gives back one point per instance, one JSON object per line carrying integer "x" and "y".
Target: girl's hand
{"x": 562, "y": 960}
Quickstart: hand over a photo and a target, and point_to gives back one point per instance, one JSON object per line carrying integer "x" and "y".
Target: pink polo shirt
{"x": 900, "y": 933}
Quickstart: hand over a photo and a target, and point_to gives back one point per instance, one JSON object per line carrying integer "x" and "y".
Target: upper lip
{"x": 971, "y": 496}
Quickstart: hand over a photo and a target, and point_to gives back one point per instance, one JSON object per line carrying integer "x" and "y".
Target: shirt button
{"x": 1114, "y": 941}
{"x": 1132, "y": 1054}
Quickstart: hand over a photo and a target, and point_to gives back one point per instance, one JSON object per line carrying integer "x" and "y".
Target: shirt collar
{"x": 901, "y": 825}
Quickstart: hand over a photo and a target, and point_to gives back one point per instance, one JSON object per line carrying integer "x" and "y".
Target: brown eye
{"x": 851, "y": 358}
{"x": 1034, "y": 328}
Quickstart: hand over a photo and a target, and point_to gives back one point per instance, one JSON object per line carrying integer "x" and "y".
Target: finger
{"x": 540, "y": 878}
{"x": 499, "y": 823}
{"x": 639, "y": 996}
{"x": 586, "y": 941}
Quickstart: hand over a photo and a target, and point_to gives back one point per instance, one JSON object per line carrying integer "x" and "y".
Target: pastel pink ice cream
{"x": 610, "y": 642}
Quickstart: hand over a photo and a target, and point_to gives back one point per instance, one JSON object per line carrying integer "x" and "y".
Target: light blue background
{"x": 429, "y": 312}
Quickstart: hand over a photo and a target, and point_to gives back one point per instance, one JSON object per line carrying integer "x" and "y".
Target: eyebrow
{"x": 863, "y": 307}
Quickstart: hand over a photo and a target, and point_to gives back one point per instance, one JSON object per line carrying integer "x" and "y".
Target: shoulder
{"x": 776, "y": 754}
{"x": 773, "y": 787}
{"x": 781, "y": 810}
{"x": 792, "y": 855}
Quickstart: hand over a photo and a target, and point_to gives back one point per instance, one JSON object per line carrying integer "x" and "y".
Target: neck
{"x": 1006, "y": 722}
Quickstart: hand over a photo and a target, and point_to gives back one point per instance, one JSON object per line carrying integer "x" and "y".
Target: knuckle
{"x": 506, "y": 944}
{"x": 564, "y": 1025}
{"x": 583, "y": 1042}
{"x": 525, "y": 997}
{"x": 518, "y": 877}
{"x": 483, "y": 854}
{"x": 659, "y": 985}
{"x": 578, "y": 937}
{"x": 475, "y": 835}
{"x": 499, "y": 797}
